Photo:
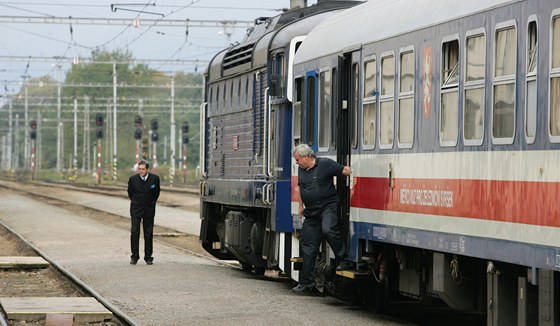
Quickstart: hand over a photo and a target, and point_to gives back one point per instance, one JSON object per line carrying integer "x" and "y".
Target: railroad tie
{"x": 79, "y": 309}
{"x": 22, "y": 262}
{"x": 59, "y": 320}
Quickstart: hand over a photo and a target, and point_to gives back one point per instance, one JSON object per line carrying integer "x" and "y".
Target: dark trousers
{"x": 314, "y": 228}
{"x": 148, "y": 227}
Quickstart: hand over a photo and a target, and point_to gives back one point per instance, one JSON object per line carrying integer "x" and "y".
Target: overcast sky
{"x": 145, "y": 42}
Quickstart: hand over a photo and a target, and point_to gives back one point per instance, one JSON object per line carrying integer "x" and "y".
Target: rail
{"x": 116, "y": 311}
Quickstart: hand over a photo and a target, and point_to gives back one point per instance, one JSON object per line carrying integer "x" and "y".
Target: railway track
{"x": 52, "y": 280}
{"x": 30, "y": 278}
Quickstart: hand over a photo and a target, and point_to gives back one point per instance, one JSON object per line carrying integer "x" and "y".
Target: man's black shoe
{"x": 149, "y": 262}
{"x": 344, "y": 266}
{"x": 305, "y": 289}
{"x": 133, "y": 261}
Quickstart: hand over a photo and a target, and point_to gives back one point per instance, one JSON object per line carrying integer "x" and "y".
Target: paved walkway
{"x": 179, "y": 289}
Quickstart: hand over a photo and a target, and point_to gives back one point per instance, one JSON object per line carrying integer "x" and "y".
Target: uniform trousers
{"x": 148, "y": 227}
{"x": 314, "y": 229}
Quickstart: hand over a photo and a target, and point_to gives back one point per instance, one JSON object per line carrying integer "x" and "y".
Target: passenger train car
{"x": 448, "y": 113}
{"x": 246, "y": 140}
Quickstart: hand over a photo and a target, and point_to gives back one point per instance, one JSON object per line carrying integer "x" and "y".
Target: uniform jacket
{"x": 143, "y": 195}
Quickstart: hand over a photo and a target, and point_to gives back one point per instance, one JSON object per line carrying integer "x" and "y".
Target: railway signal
{"x": 33, "y": 132}
{"x": 33, "y": 136}
{"x": 99, "y": 124}
{"x": 99, "y": 120}
{"x": 154, "y": 124}
{"x": 185, "y": 131}
{"x": 138, "y": 120}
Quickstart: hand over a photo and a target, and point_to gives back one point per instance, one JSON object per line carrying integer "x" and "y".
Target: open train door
{"x": 345, "y": 119}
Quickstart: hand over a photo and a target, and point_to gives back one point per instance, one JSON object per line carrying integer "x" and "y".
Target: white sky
{"x": 145, "y": 42}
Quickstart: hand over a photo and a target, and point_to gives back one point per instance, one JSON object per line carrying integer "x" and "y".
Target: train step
{"x": 355, "y": 275}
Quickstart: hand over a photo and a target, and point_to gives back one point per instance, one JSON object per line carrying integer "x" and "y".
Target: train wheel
{"x": 246, "y": 267}
{"x": 260, "y": 270}
{"x": 377, "y": 298}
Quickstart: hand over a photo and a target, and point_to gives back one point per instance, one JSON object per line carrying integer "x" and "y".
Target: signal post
{"x": 33, "y": 137}
{"x": 99, "y": 136}
{"x": 138, "y": 123}
{"x": 185, "y": 139}
{"x": 155, "y": 138}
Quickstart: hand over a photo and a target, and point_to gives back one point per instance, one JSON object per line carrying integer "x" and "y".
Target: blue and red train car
{"x": 448, "y": 113}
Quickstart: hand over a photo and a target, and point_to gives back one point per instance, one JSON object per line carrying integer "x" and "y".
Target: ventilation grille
{"x": 238, "y": 56}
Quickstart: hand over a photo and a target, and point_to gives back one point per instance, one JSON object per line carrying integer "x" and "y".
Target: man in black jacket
{"x": 320, "y": 205}
{"x": 143, "y": 191}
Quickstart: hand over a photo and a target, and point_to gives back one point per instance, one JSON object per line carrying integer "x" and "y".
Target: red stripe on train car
{"x": 523, "y": 202}
{"x": 535, "y": 203}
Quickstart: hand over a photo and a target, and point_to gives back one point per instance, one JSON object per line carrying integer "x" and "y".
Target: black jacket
{"x": 143, "y": 195}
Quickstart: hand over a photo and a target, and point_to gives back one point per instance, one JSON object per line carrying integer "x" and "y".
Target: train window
{"x": 249, "y": 92}
{"x": 279, "y": 70}
{"x": 229, "y": 105}
{"x": 554, "y": 115}
{"x": 334, "y": 119}
{"x": 238, "y": 95}
{"x": 297, "y": 110}
{"x": 355, "y": 95}
{"x": 387, "y": 102}
{"x": 503, "y": 103}
{"x": 406, "y": 99}
{"x": 475, "y": 67}
{"x": 531, "y": 81}
{"x": 369, "y": 104}
{"x": 449, "y": 119}
{"x": 211, "y": 100}
{"x": 242, "y": 95}
{"x": 217, "y": 99}
{"x": 310, "y": 111}
{"x": 324, "y": 110}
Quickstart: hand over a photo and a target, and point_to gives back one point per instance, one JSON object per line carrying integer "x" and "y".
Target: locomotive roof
{"x": 240, "y": 57}
{"x": 379, "y": 19}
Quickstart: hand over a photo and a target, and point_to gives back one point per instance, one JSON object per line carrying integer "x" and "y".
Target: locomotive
{"x": 246, "y": 141}
{"x": 448, "y": 113}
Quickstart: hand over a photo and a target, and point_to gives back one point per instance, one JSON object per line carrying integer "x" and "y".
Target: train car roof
{"x": 376, "y": 20}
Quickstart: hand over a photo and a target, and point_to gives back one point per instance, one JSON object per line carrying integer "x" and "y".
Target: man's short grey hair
{"x": 304, "y": 150}
{"x": 145, "y": 163}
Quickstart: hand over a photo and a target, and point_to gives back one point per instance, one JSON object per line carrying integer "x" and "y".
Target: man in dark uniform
{"x": 320, "y": 205}
{"x": 143, "y": 191}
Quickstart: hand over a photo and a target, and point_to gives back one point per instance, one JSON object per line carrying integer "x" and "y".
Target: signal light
{"x": 185, "y": 139}
{"x": 33, "y": 132}
{"x": 154, "y": 124}
{"x": 185, "y": 127}
{"x": 99, "y": 120}
{"x": 99, "y": 133}
{"x": 138, "y": 120}
{"x": 138, "y": 134}
{"x": 155, "y": 136}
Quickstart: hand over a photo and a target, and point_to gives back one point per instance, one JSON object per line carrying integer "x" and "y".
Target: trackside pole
{"x": 98, "y": 177}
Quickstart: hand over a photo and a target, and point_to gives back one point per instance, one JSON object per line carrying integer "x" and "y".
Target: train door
{"x": 346, "y": 122}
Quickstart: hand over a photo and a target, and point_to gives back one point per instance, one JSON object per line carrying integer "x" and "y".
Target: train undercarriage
{"x": 502, "y": 293}
{"x": 231, "y": 233}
